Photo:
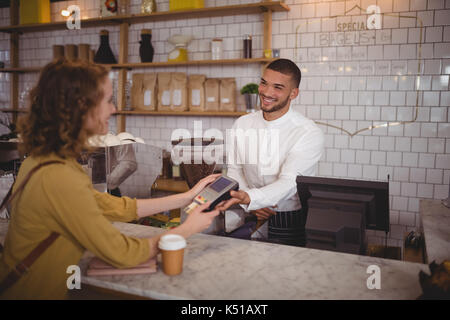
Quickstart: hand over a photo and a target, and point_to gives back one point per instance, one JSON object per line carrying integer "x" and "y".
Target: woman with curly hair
{"x": 71, "y": 102}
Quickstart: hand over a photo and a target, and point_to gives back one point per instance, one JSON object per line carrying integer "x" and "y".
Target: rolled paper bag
{"x": 172, "y": 250}
{"x": 58, "y": 52}
{"x": 71, "y": 52}
{"x": 83, "y": 52}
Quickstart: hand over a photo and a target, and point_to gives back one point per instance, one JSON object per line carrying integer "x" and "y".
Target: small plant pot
{"x": 251, "y": 102}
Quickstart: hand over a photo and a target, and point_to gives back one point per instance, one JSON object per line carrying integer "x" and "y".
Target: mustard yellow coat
{"x": 61, "y": 198}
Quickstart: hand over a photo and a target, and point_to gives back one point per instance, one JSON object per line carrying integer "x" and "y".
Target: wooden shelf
{"x": 221, "y": 11}
{"x": 61, "y": 25}
{"x": 251, "y": 8}
{"x": 21, "y": 70}
{"x": 154, "y": 64}
{"x": 182, "y": 113}
{"x": 170, "y": 185}
{"x": 14, "y": 111}
{"x": 189, "y": 63}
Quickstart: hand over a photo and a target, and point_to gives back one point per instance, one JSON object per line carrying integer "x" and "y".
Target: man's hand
{"x": 240, "y": 197}
{"x": 263, "y": 214}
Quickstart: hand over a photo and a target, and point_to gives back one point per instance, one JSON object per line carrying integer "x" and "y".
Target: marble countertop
{"x": 224, "y": 268}
{"x": 436, "y": 228}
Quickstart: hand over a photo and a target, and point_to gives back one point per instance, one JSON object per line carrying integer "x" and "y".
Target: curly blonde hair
{"x": 65, "y": 94}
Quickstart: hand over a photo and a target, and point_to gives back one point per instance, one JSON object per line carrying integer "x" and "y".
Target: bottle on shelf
{"x": 146, "y": 50}
{"x": 247, "y": 46}
{"x": 104, "y": 53}
{"x": 128, "y": 87}
{"x": 167, "y": 165}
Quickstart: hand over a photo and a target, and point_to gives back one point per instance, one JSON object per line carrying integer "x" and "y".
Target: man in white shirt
{"x": 268, "y": 149}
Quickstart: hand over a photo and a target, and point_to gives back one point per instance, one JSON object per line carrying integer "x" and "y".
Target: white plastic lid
{"x": 172, "y": 242}
{"x": 111, "y": 140}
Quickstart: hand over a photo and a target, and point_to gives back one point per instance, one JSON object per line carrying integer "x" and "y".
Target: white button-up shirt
{"x": 265, "y": 157}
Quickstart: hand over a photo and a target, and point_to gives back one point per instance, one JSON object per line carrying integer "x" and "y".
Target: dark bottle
{"x": 104, "y": 53}
{"x": 248, "y": 47}
{"x": 146, "y": 50}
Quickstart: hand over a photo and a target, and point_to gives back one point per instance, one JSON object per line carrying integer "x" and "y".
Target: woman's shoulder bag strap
{"x": 23, "y": 266}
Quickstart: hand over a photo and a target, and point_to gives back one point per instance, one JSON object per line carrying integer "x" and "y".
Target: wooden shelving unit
{"x": 251, "y": 8}
{"x": 123, "y": 22}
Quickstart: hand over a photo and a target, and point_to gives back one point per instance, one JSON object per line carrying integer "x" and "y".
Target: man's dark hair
{"x": 287, "y": 67}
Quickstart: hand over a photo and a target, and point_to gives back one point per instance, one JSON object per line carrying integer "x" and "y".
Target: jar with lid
{"x": 247, "y": 46}
{"x": 216, "y": 49}
{"x": 124, "y": 6}
{"x": 148, "y": 6}
{"x": 108, "y": 8}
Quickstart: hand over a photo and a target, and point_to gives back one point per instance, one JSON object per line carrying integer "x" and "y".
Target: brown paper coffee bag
{"x": 144, "y": 91}
{"x": 196, "y": 92}
{"x": 179, "y": 91}
{"x": 212, "y": 94}
{"x": 164, "y": 93}
{"x": 227, "y": 94}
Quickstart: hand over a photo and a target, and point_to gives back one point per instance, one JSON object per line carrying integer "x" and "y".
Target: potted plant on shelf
{"x": 250, "y": 92}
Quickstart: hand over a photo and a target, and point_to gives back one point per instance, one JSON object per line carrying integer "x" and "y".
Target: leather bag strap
{"x": 10, "y": 196}
{"x": 23, "y": 266}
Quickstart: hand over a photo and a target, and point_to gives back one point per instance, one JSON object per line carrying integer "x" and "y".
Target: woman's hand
{"x": 201, "y": 185}
{"x": 197, "y": 221}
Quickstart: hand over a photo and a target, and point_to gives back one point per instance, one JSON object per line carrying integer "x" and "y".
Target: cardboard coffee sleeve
{"x": 196, "y": 92}
{"x": 212, "y": 94}
{"x": 144, "y": 91}
{"x": 178, "y": 88}
{"x": 227, "y": 94}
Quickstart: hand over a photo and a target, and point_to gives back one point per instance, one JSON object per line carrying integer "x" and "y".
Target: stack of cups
{"x": 71, "y": 52}
{"x": 58, "y": 52}
{"x": 172, "y": 250}
{"x": 83, "y": 52}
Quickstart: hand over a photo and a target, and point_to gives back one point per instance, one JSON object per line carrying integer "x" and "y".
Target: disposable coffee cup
{"x": 172, "y": 250}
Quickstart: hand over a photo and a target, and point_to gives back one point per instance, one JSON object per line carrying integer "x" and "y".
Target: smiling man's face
{"x": 276, "y": 90}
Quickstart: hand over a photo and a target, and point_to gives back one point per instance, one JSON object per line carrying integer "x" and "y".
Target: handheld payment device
{"x": 216, "y": 192}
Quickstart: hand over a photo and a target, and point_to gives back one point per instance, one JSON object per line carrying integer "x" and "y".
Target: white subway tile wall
{"x": 352, "y": 78}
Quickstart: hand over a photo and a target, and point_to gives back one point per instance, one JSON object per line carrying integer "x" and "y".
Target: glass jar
{"x": 124, "y": 6}
{"x": 148, "y": 6}
{"x": 216, "y": 49}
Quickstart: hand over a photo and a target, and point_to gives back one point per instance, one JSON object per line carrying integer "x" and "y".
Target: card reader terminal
{"x": 216, "y": 192}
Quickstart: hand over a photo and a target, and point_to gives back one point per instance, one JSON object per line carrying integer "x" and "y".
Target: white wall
{"x": 348, "y": 86}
